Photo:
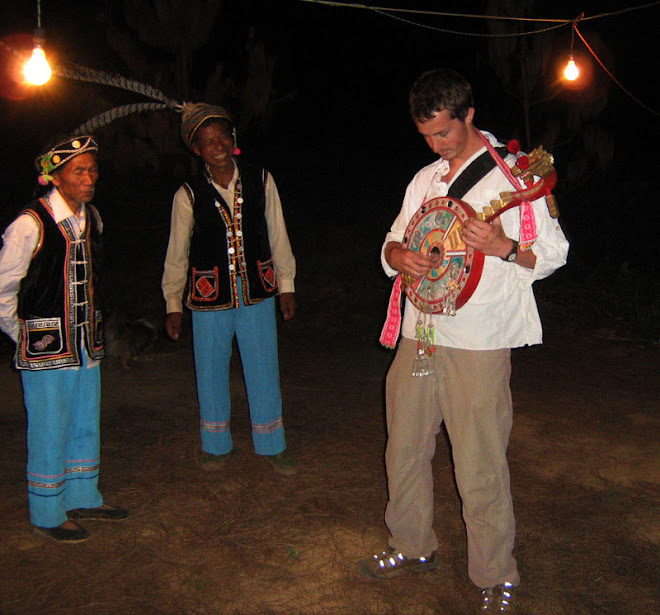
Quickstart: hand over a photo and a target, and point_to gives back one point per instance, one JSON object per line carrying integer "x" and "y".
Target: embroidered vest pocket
{"x": 205, "y": 284}
{"x": 267, "y": 275}
{"x": 43, "y": 337}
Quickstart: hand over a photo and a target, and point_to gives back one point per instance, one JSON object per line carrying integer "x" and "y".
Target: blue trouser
{"x": 255, "y": 329}
{"x": 63, "y": 441}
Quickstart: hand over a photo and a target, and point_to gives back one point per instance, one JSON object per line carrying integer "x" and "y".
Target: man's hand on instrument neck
{"x": 489, "y": 238}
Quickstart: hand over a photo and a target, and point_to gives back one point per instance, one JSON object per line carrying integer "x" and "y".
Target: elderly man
{"x": 49, "y": 306}
{"x": 229, "y": 245}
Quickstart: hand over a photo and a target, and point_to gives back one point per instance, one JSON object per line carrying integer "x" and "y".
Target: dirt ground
{"x": 584, "y": 459}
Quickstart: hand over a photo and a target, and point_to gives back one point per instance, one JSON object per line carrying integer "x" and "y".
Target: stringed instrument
{"x": 436, "y": 229}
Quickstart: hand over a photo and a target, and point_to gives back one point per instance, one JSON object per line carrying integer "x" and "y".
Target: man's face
{"x": 214, "y": 144}
{"x": 447, "y": 137}
{"x": 76, "y": 180}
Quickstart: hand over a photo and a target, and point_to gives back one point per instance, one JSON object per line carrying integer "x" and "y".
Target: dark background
{"x": 332, "y": 122}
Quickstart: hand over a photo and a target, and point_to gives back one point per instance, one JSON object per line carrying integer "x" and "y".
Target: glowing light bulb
{"x": 571, "y": 72}
{"x": 37, "y": 70}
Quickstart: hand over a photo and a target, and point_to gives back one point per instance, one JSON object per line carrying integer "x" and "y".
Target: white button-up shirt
{"x": 502, "y": 311}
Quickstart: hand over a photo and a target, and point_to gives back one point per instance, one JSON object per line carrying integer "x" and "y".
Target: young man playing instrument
{"x": 468, "y": 388}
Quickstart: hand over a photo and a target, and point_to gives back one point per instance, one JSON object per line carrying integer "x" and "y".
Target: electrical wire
{"x": 384, "y": 10}
{"x": 563, "y": 24}
{"x": 86, "y": 74}
{"x": 559, "y": 23}
{"x": 610, "y": 75}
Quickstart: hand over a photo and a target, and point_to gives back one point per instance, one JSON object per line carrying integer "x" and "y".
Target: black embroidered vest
{"x": 225, "y": 248}
{"x": 58, "y": 300}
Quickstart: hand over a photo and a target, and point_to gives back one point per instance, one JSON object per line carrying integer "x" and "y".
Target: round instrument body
{"x": 436, "y": 229}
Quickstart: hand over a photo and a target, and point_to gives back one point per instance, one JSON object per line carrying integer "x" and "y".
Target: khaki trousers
{"x": 470, "y": 391}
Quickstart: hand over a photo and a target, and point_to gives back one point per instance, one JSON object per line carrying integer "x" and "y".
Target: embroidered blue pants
{"x": 63, "y": 441}
{"x": 255, "y": 329}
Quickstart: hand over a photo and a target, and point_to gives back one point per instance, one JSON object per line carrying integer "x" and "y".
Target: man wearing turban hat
{"x": 229, "y": 245}
{"x": 49, "y": 306}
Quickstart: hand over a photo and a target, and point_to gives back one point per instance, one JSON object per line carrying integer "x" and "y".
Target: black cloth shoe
{"x": 282, "y": 463}
{"x": 214, "y": 463}
{"x": 102, "y": 513}
{"x": 61, "y": 534}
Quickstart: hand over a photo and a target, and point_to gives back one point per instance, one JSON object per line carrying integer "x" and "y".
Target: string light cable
{"x": 558, "y": 23}
{"x": 387, "y": 10}
{"x": 610, "y": 75}
{"x": 161, "y": 102}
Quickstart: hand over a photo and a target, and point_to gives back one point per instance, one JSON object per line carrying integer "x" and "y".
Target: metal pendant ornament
{"x": 424, "y": 364}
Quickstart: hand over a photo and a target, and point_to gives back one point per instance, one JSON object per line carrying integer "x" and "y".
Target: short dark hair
{"x": 437, "y": 90}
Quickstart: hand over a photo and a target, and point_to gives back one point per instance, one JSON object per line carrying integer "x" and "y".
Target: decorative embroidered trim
{"x": 528, "y": 233}
{"x": 33, "y": 214}
{"x": 390, "y": 333}
{"x": 267, "y": 427}
{"x": 39, "y": 485}
{"x": 83, "y": 469}
{"x": 212, "y": 427}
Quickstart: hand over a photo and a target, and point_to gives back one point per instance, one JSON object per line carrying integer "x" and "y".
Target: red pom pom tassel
{"x": 523, "y": 163}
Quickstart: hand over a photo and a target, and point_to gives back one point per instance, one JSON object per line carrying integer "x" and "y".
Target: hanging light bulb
{"x": 37, "y": 71}
{"x": 571, "y": 71}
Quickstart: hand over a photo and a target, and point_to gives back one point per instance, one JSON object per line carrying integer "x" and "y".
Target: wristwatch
{"x": 511, "y": 256}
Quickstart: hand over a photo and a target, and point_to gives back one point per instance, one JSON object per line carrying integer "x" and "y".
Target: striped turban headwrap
{"x": 194, "y": 115}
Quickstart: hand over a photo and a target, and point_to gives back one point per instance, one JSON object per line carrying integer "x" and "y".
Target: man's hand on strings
{"x": 409, "y": 262}
{"x": 487, "y": 237}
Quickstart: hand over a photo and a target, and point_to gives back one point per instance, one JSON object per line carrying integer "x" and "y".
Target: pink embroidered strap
{"x": 527, "y": 219}
{"x": 390, "y": 333}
